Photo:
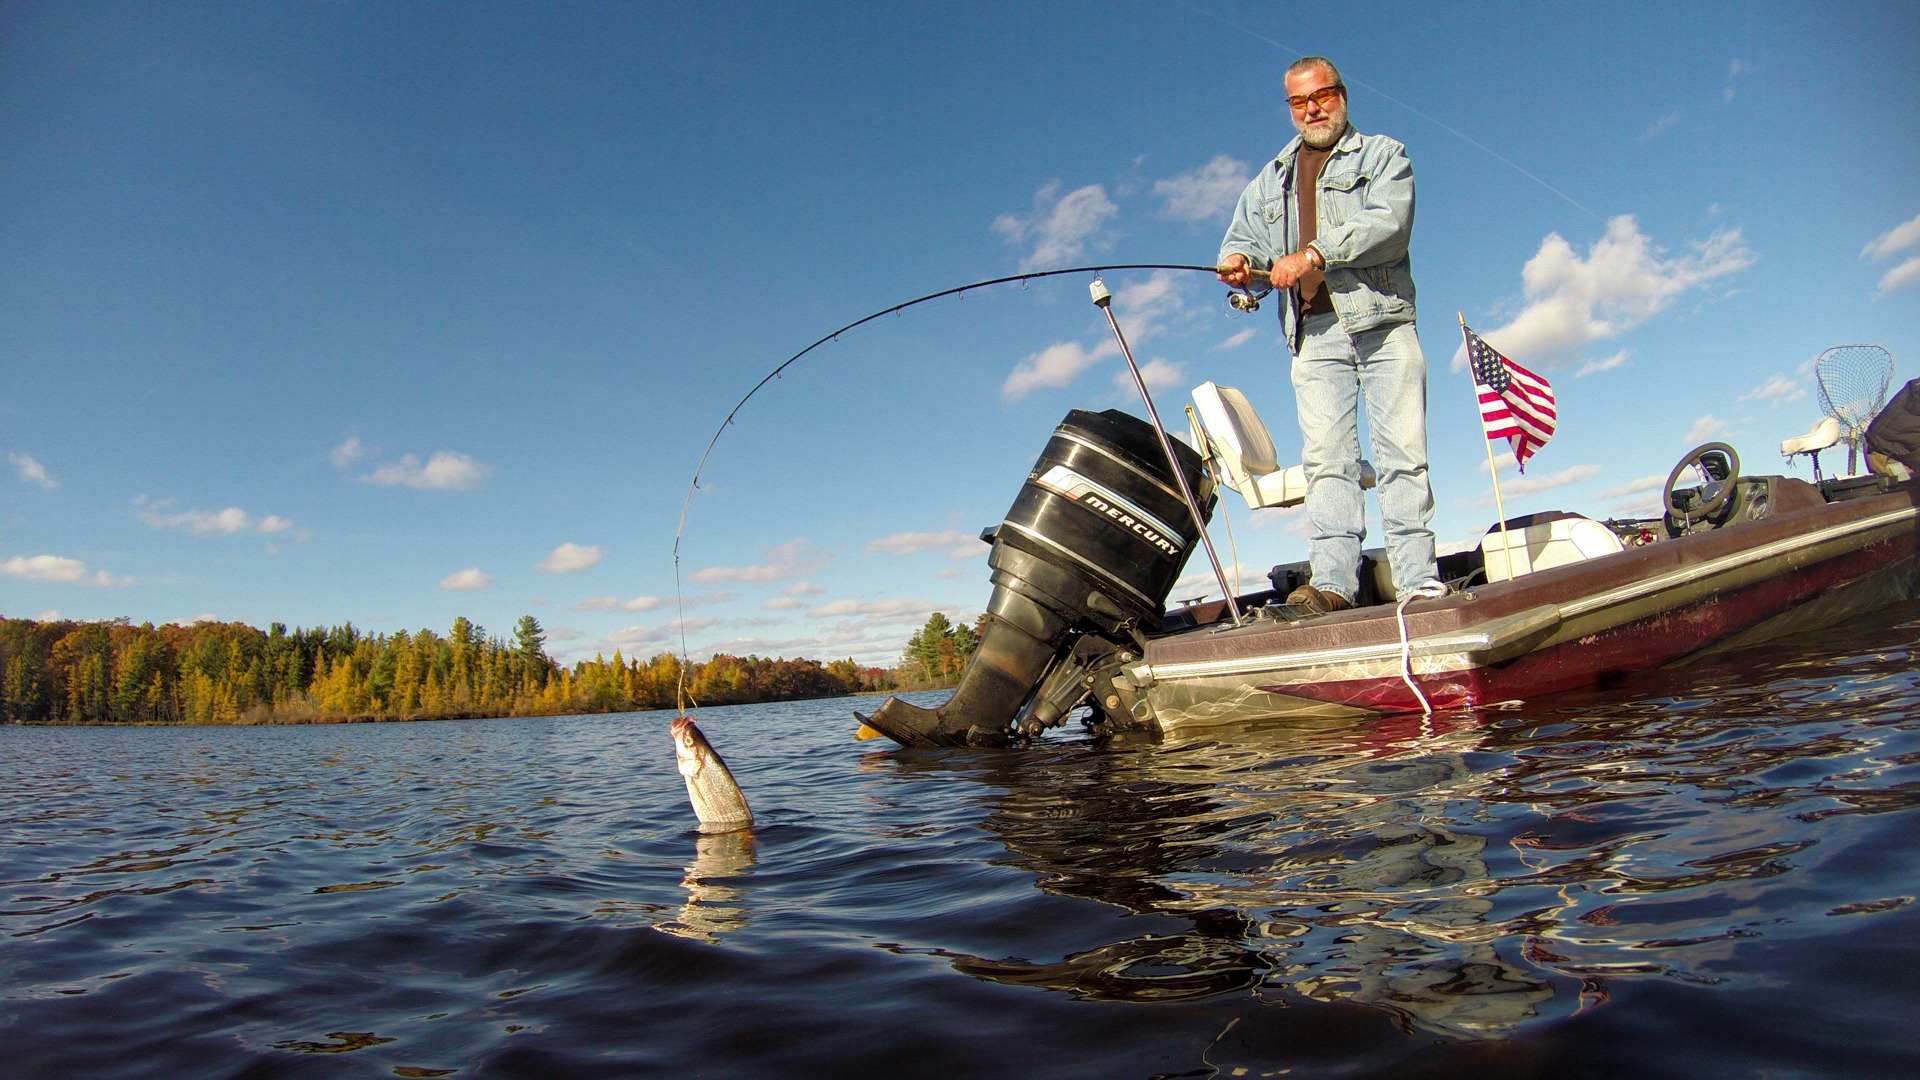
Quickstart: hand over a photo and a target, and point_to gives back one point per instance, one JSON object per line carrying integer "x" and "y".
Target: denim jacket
{"x": 1366, "y": 221}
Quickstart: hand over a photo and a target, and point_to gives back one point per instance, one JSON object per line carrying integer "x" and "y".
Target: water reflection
{"x": 1465, "y": 877}
{"x": 715, "y": 904}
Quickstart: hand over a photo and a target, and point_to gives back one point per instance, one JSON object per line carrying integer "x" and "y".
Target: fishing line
{"x": 1032, "y": 275}
{"x": 1455, "y": 132}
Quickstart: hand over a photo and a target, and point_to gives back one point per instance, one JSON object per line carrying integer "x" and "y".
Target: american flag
{"x": 1515, "y": 404}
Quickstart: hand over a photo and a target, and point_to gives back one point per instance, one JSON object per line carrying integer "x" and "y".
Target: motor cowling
{"x": 1091, "y": 547}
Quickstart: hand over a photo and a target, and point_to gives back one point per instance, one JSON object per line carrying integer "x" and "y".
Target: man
{"x": 1327, "y": 224}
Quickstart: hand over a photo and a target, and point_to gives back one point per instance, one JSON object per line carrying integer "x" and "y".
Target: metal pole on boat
{"x": 1103, "y": 299}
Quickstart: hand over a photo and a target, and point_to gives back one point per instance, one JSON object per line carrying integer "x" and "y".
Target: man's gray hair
{"x": 1306, "y": 62}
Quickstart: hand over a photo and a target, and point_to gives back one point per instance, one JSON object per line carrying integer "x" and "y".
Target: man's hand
{"x": 1289, "y": 269}
{"x": 1235, "y": 270}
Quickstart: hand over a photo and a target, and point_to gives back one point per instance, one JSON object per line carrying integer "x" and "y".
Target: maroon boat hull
{"x": 1543, "y": 633}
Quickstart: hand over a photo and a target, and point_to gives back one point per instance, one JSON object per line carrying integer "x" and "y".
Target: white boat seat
{"x": 1824, "y": 434}
{"x": 1232, "y": 437}
{"x": 1562, "y": 540}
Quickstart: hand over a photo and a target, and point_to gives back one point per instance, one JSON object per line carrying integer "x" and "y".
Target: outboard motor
{"x": 1084, "y": 559}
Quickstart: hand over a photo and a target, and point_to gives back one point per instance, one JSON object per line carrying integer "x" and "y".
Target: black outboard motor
{"x": 1084, "y": 559}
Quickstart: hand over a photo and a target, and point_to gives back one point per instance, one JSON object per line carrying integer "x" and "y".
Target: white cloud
{"x": 1661, "y": 126}
{"x": 638, "y": 635}
{"x": 569, "y": 559}
{"x": 49, "y": 615}
{"x": 205, "y": 522}
{"x": 1907, "y": 273}
{"x": 1199, "y": 581}
{"x": 1238, "y": 339}
{"x": 1705, "y": 428}
{"x": 1889, "y": 243}
{"x": 657, "y": 635}
{"x": 792, "y": 559}
{"x": 884, "y": 609}
{"x": 1054, "y": 366}
{"x": 1145, "y": 306}
{"x": 1778, "y": 389}
{"x": 1636, "y": 498}
{"x": 1157, "y": 374}
{"x": 913, "y": 543}
{"x": 468, "y": 580}
{"x": 1522, "y": 486}
{"x": 1899, "y": 238}
{"x": 1060, "y": 227}
{"x": 793, "y": 597}
{"x": 1593, "y": 367}
{"x": 446, "y": 470}
{"x": 1207, "y": 193}
{"x": 32, "y": 471}
{"x": 348, "y": 452}
{"x": 1622, "y": 282}
{"x": 1633, "y": 490}
{"x": 58, "y": 568}
{"x": 1736, "y": 68}
{"x": 614, "y": 603}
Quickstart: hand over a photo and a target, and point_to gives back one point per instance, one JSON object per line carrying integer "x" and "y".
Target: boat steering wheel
{"x": 1720, "y": 467}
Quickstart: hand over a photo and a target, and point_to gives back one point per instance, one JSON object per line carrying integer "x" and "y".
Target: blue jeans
{"x": 1332, "y": 372}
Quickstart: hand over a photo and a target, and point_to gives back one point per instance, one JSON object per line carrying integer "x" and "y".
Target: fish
{"x": 717, "y": 799}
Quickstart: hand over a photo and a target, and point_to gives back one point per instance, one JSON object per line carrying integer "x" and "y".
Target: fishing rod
{"x": 1246, "y": 304}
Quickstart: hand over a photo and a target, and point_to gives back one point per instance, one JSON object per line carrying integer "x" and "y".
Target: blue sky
{"x": 388, "y": 313}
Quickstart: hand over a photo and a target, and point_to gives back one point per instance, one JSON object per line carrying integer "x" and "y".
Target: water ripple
{"x": 1607, "y": 883}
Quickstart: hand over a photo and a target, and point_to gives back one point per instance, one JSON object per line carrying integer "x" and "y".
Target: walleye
{"x": 716, "y": 799}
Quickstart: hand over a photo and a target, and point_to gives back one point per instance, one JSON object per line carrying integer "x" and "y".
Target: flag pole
{"x": 1493, "y": 466}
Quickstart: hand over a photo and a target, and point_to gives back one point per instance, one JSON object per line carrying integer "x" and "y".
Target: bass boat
{"x": 1084, "y": 562}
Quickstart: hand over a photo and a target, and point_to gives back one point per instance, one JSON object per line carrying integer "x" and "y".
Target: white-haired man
{"x": 1327, "y": 224}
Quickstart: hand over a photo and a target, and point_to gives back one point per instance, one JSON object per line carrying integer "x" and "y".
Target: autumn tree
{"x": 939, "y": 651}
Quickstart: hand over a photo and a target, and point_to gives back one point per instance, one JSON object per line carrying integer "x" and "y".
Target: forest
{"x": 224, "y": 673}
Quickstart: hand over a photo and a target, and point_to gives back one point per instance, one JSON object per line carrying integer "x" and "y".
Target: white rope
{"x": 1425, "y": 591}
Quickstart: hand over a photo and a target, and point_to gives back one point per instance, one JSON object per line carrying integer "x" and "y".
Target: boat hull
{"x": 1573, "y": 626}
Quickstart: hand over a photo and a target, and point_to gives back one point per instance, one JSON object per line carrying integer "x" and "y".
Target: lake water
{"x": 1710, "y": 873}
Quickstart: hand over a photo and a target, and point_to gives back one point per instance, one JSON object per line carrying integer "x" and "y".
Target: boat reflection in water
{"x": 1466, "y": 873}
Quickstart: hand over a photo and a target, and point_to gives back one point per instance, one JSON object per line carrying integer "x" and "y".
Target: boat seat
{"x": 1241, "y": 451}
{"x": 1544, "y": 541}
{"x": 1824, "y": 434}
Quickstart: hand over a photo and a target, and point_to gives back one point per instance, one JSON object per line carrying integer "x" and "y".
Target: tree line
{"x": 116, "y": 672}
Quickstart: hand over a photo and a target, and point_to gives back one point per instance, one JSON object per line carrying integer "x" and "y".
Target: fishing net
{"x": 1853, "y": 386}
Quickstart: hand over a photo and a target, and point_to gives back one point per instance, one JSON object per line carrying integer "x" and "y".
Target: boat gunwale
{"x": 1686, "y": 562}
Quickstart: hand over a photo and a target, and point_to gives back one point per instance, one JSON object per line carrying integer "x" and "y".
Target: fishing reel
{"x": 1244, "y": 302}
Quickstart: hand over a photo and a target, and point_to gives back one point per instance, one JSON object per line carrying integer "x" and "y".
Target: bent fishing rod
{"x": 1244, "y": 301}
